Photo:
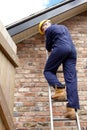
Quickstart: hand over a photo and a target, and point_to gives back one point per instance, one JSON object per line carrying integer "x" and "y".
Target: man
{"x": 62, "y": 51}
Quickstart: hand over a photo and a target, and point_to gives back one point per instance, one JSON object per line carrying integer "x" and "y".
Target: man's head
{"x": 44, "y": 25}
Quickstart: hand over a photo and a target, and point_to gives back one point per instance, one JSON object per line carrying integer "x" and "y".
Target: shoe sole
{"x": 70, "y": 117}
{"x": 60, "y": 98}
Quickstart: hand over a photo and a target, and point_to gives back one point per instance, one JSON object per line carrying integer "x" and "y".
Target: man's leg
{"x": 70, "y": 76}
{"x": 53, "y": 62}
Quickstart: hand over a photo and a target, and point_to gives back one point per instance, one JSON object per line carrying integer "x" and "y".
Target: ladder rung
{"x": 59, "y": 101}
{"x": 63, "y": 119}
{"x": 60, "y": 71}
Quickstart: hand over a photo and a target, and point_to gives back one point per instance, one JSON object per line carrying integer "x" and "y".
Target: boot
{"x": 60, "y": 94}
{"x": 70, "y": 113}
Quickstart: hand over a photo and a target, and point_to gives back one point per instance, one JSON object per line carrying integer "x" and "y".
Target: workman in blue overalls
{"x": 62, "y": 51}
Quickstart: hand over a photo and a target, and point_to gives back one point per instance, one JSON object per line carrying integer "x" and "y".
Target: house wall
{"x": 31, "y": 106}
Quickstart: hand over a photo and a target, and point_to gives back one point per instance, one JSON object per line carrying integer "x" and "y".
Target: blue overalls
{"x": 59, "y": 42}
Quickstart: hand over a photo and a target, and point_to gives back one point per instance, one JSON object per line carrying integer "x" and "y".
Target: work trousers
{"x": 67, "y": 56}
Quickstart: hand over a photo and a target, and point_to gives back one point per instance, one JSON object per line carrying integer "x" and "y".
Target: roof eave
{"x": 49, "y": 13}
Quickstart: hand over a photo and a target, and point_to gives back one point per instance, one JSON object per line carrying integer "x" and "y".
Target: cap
{"x": 40, "y": 26}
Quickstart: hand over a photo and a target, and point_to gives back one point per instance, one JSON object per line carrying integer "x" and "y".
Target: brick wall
{"x": 31, "y": 106}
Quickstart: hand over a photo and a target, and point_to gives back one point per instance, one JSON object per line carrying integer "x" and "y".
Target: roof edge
{"x": 38, "y": 14}
{"x": 46, "y": 14}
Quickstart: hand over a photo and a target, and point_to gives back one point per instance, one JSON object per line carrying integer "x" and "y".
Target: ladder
{"x": 52, "y": 119}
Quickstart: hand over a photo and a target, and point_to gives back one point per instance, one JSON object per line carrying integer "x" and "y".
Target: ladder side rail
{"x": 51, "y": 111}
{"x": 50, "y": 101}
{"x": 77, "y": 120}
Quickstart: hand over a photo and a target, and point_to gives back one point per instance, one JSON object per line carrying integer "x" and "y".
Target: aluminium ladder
{"x": 51, "y": 111}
